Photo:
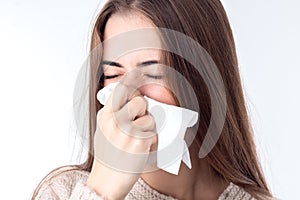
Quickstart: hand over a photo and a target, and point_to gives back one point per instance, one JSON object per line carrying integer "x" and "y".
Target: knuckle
{"x": 99, "y": 114}
{"x": 150, "y": 122}
{"x": 155, "y": 138}
{"x": 126, "y": 129}
{"x": 140, "y": 101}
{"x": 99, "y": 118}
{"x": 103, "y": 115}
{"x": 139, "y": 144}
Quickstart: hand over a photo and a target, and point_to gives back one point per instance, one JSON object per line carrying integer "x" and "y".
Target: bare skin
{"x": 200, "y": 182}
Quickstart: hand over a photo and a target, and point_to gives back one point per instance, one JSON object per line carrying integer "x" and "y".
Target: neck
{"x": 200, "y": 182}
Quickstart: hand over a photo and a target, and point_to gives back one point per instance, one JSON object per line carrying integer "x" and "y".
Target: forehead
{"x": 126, "y": 21}
{"x": 131, "y": 32}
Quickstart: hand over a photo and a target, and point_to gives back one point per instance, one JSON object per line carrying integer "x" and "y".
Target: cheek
{"x": 109, "y": 81}
{"x": 158, "y": 93}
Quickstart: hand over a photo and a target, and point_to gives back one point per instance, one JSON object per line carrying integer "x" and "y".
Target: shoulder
{"x": 60, "y": 182}
{"x": 235, "y": 192}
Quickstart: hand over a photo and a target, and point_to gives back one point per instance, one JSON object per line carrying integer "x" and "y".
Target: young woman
{"x": 231, "y": 169}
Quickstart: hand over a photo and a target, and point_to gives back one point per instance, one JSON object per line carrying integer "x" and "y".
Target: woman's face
{"x": 146, "y": 60}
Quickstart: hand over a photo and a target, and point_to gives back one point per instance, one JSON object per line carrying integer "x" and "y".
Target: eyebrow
{"x": 111, "y": 63}
{"x": 147, "y": 63}
{"x": 142, "y": 64}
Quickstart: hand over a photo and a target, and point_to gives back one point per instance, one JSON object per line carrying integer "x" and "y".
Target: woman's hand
{"x": 123, "y": 140}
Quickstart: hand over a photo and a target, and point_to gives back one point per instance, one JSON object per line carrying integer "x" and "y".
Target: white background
{"x": 44, "y": 43}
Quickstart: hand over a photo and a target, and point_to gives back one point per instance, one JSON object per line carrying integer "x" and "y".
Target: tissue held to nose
{"x": 171, "y": 125}
{"x": 117, "y": 140}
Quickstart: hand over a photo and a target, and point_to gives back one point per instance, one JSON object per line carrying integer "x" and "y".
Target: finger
{"x": 121, "y": 95}
{"x": 133, "y": 109}
{"x": 126, "y": 89}
{"x": 145, "y": 123}
{"x": 136, "y": 107}
{"x": 154, "y": 143}
{"x": 99, "y": 114}
{"x": 126, "y": 115}
{"x": 141, "y": 128}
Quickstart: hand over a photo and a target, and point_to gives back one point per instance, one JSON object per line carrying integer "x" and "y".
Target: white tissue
{"x": 171, "y": 124}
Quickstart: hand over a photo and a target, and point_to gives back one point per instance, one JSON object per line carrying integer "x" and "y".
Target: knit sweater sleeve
{"x": 66, "y": 185}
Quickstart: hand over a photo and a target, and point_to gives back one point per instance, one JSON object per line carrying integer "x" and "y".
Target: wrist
{"x": 106, "y": 191}
{"x": 100, "y": 182}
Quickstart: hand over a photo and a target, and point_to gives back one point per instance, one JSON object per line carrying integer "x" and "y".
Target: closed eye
{"x": 110, "y": 77}
{"x": 154, "y": 76}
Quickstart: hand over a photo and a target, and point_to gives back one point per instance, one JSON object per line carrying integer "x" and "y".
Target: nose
{"x": 133, "y": 80}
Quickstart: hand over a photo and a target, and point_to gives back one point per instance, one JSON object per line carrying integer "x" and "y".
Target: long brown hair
{"x": 234, "y": 156}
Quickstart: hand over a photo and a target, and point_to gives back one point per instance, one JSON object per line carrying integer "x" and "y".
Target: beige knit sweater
{"x": 68, "y": 184}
